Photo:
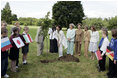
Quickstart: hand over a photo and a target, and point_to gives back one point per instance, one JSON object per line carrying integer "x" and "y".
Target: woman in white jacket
{"x": 62, "y": 41}
{"x": 93, "y": 41}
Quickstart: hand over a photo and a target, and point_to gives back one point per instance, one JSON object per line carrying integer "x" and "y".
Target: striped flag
{"x": 18, "y": 41}
{"x": 5, "y": 44}
{"x": 27, "y": 38}
{"x": 110, "y": 53}
{"x": 98, "y": 55}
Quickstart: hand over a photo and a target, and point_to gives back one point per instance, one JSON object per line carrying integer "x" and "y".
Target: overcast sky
{"x": 38, "y": 9}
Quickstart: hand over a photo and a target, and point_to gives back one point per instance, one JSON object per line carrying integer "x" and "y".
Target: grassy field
{"x": 86, "y": 68}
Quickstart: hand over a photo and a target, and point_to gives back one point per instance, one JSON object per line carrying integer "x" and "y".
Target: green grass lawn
{"x": 86, "y": 68}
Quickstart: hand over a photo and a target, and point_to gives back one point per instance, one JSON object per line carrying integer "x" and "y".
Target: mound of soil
{"x": 66, "y": 58}
{"x": 44, "y": 61}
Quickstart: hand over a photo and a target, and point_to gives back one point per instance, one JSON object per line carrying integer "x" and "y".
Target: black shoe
{"x": 17, "y": 71}
{"x": 109, "y": 76}
{"x": 99, "y": 70}
{"x": 108, "y": 73}
{"x": 24, "y": 63}
{"x": 114, "y": 76}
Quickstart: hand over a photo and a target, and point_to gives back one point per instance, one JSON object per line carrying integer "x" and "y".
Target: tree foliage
{"x": 28, "y": 21}
{"x": 99, "y": 22}
{"x": 112, "y": 23}
{"x": 46, "y": 23}
{"x": 66, "y": 12}
{"x": 7, "y": 6}
{"x": 6, "y": 14}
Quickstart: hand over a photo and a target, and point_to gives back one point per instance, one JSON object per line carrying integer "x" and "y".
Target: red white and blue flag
{"x": 5, "y": 44}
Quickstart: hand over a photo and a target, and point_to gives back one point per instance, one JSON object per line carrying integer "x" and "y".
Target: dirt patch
{"x": 44, "y": 61}
{"x": 47, "y": 61}
{"x": 66, "y": 58}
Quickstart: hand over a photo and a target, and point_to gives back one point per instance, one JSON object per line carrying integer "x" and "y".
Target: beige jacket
{"x": 79, "y": 35}
{"x": 87, "y": 36}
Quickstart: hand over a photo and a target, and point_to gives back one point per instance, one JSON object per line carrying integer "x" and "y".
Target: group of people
{"x": 90, "y": 39}
{"x": 14, "y": 51}
{"x": 58, "y": 40}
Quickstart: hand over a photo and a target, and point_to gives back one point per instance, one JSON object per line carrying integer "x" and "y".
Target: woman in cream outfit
{"x": 62, "y": 41}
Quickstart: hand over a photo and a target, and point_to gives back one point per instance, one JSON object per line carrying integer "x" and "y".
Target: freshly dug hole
{"x": 66, "y": 58}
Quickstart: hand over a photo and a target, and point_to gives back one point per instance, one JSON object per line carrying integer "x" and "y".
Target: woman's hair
{"x": 3, "y": 22}
{"x": 79, "y": 24}
{"x": 104, "y": 29}
{"x": 4, "y": 30}
{"x": 71, "y": 24}
{"x": 59, "y": 27}
{"x": 25, "y": 28}
{"x": 86, "y": 27}
{"x": 105, "y": 32}
{"x": 94, "y": 29}
{"x": 53, "y": 28}
{"x": 114, "y": 33}
{"x": 15, "y": 29}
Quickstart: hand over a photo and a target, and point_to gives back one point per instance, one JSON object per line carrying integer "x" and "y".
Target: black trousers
{"x": 17, "y": 60}
{"x": 112, "y": 69}
{"x": 102, "y": 63}
{"x": 4, "y": 66}
{"x": 53, "y": 46}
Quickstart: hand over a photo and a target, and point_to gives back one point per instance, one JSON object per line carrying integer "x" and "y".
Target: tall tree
{"x": 65, "y": 12}
{"x": 7, "y": 6}
{"x": 6, "y": 14}
{"x": 46, "y": 23}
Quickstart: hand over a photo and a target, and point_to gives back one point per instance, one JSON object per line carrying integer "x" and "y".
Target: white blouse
{"x": 104, "y": 45}
{"x": 52, "y": 34}
{"x": 94, "y": 36}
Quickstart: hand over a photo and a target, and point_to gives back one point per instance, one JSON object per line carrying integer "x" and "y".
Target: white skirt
{"x": 93, "y": 46}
